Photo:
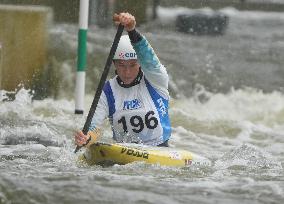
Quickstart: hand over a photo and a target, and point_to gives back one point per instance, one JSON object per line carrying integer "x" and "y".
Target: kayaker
{"x": 136, "y": 100}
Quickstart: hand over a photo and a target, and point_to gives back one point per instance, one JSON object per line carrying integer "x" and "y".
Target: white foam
{"x": 248, "y": 156}
{"x": 238, "y": 105}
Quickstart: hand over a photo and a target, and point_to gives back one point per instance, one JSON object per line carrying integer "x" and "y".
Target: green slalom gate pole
{"x": 82, "y": 57}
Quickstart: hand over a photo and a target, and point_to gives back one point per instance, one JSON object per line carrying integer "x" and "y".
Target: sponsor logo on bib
{"x": 132, "y": 105}
{"x": 162, "y": 107}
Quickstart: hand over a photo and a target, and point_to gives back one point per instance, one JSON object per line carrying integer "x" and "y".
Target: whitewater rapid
{"x": 242, "y": 136}
{"x": 228, "y": 106}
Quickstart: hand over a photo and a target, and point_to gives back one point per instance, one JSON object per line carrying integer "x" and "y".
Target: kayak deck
{"x": 107, "y": 154}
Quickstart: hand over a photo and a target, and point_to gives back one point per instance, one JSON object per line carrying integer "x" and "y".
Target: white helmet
{"x": 124, "y": 49}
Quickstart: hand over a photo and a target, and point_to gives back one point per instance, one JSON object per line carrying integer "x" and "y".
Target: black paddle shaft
{"x": 102, "y": 81}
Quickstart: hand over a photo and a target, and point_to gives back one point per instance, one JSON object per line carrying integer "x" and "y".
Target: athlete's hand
{"x": 89, "y": 139}
{"x": 81, "y": 139}
{"x": 126, "y": 19}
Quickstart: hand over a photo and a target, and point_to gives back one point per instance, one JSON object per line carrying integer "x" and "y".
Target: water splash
{"x": 247, "y": 157}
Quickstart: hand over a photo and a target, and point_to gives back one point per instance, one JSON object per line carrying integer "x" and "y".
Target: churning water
{"x": 239, "y": 129}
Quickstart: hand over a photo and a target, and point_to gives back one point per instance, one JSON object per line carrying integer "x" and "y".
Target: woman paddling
{"x": 136, "y": 99}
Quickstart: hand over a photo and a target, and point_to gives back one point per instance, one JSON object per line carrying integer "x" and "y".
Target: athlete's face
{"x": 127, "y": 70}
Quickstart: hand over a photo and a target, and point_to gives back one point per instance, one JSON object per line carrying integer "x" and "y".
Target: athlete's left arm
{"x": 154, "y": 71}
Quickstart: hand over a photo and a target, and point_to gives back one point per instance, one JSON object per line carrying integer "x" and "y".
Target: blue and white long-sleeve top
{"x": 140, "y": 112}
